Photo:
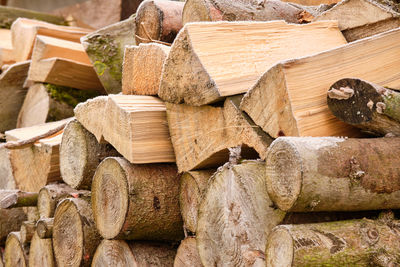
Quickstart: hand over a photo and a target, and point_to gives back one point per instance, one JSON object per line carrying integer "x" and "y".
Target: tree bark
{"x": 44, "y": 228}
{"x": 41, "y": 252}
{"x": 368, "y": 106}
{"x": 158, "y": 20}
{"x": 187, "y": 255}
{"x": 27, "y": 230}
{"x": 80, "y": 154}
{"x": 140, "y": 202}
{"x": 16, "y": 198}
{"x": 16, "y": 253}
{"x": 10, "y": 220}
{"x": 333, "y": 174}
{"x": 121, "y": 253}
{"x": 75, "y": 237}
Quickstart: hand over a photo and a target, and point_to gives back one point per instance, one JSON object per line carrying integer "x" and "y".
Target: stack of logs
{"x": 265, "y": 136}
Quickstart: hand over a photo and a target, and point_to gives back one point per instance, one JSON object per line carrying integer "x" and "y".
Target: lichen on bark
{"x": 68, "y": 95}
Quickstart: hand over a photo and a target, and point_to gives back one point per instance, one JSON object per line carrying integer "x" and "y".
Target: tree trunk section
{"x": 16, "y": 252}
{"x": 75, "y": 237}
{"x": 370, "y": 107}
{"x": 10, "y": 220}
{"x": 140, "y": 202}
{"x": 27, "y": 230}
{"x": 44, "y": 228}
{"x": 333, "y": 174}
{"x": 15, "y": 198}
{"x": 41, "y": 252}
{"x": 187, "y": 255}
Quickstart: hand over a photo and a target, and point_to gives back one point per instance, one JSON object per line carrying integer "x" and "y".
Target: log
{"x": 16, "y": 253}
{"x": 44, "y": 228}
{"x": 10, "y": 220}
{"x": 80, "y": 154}
{"x": 6, "y": 175}
{"x": 141, "y": 71}
{"x": 28, "y": 229}
{"x": 41, "y": 252}
{"x": 105, "y": 49}
{"x": 203, "y": 143}
{"x": 187, "y": 255}
{"x": 191, "y": 192}
{"x": 12, "y": 94}
{"x": 360, "y": 176}
{"x": 139, "y": 203}
{"x": 74, "y": 215}
{"x": 313, "y": 2}
{"x": 17, "y": 198}
{"x": 368, "y": 106}
{"x": 198, "y": 72}
{"x": 235, "y": 216}
{"x": 158, "y": 20}
{"x": 6, "y": 48}
{"x": 363, "y": 18}
{"x": 24, "y": 32}
{"x": 342, "y": 243}
{"x": 121, "y": 253}
{"x": 307, "y": 80}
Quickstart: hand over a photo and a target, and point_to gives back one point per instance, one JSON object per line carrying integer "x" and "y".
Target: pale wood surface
{"x": 312, "y": 2}
{"x": 6, "y": 48}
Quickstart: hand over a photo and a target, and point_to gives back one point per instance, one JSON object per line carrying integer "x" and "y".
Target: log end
{"x": 280, "y": 250}
{"x": 113, "y": 253}
{"x": 148, "y": 26}
{"x": 195, "y": 10}
{"x": 14, "y": 254}
{"x": 45, "y": 204}
{"x": 41, "y": 252}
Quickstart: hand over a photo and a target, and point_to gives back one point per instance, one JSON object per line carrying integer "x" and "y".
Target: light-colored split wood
{"x": 187, "y": 254}
{"x": 6, "y": 48}
{"x": 16, "y": 252}
{"x": 41, "y": 252}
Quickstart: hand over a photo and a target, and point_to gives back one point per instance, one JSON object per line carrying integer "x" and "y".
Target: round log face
{"x": 41, "y": 252}
{"x": 148, "y": 19}
{"x": 109, "y": 198}
{"x": 189, "y": 199}
{"x": 68, "y": 235}
{"x": 44, "y": 204}
{"x": 14, "y": 255}
{"x": 279, "y": 252}
{"x": 113, "y": 253}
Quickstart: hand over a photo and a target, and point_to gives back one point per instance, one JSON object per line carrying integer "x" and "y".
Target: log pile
{"x": 203, "y": 133}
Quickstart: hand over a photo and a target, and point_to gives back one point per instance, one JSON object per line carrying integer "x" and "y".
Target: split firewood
{"x": 140, "y": 202}
{"x": 24, "y": 32}
{"x": 198, "y": 72}
{"x": 80, "y": 154}
{"x": 134, "y": 253}
{"x": 105, "y": 49}
{"x": 363, "y": 18}
{"x": 16, "y": 252}
{"x": 74, "y": 215}
{"x": 158, "y": 21}
{"x": 187, "y": 255}
{"x": 203, "y": 143}
{"x": 6, "y": 48}
{"x": 370, "y": 107}
{"x": 41, "y": 252}
{"x": 28, "y": 228}
{"x": 360, "y": 174}
{"x": 44, "y": 228}
{"x": 15, "y": 198}
{"x": 141, "y": 72}
{"x": 12, "y": 94}
{"x": 306, "y": 81}
{"x": 10, "y": 220}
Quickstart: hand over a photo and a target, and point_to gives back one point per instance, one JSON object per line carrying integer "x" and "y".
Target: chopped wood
{"x": 134, "y": 253}
{"x": 198, "y": 72}
{"x": 74, "y": 215}
{"x": 17, "y": 198}
{"x": 28, "y": 228}
{"x": 16, "y": 253}
{"x": 140, "y": 202}
{"x": 141, "y": 72}
{"x": 10, "y": 220}
{"x": 290, "y": 98}
{"x": 187, "y": 254}
{"x": 370, "y": 107}
{"x": 6, "y": 175}
{"x": 41, "y": 252}
{"x": 105, "y": 49}
{"x": 313, "y": 2}
{"x": 6, "y": 48}
{"x": 24, "y": 32}
{"x": 158, "y": 20}
{"x": 44, "y": 228}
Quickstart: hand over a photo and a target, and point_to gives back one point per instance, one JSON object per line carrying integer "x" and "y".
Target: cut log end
{"x": 279, "y": 252}
{"x": 45, "y": 204}
{"x": 195, "y": 10}
{"x": 15, "y": 253}
{"x": 113, "y": 253}
{"x": 44, "y": 228}
{"x": 41, "y": 252}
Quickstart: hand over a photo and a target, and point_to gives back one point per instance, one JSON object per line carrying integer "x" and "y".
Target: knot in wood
{"x": 370, "y": 104}
{"x": 380, "y": 107}
{"x": 342, "y": 93}
{"x": 369, "y": 234}
{"x": 355, "y": 170}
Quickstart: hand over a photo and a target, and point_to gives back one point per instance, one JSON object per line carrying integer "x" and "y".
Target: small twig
{"x": 149, "y": 37}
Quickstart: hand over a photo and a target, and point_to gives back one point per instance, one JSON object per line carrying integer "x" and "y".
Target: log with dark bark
{"x": 44, "y": 228}
{"x": 16, "y": 198}
{"x": 187, "y": 254}
{"x": 158, "y": 21}
{"x": 140, "y": 202}
{"x": 27, "y": 230}
{"x": 368, "y": 106}
{"x": 140, "y": 253}
{"x": 16, "y": 253}
{"x": 41, "y": 252}
{"x": 80, "y": 154}
{"x": 10, "y": 220}
{"x": 75, "y": 237}
{"x": 333, "y": 174}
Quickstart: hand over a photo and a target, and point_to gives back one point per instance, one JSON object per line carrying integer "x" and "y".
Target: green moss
{"x": 68, "y": 95}
{"x": 392, "y": 109}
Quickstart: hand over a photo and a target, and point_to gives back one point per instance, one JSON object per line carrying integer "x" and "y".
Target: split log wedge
{"x": 27, "y": 230}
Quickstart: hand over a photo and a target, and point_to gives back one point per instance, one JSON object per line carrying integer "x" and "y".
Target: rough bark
{"x": 44, "y": 228}
{"x": 10, "y": 220}
{"x": 75, "y": 237}
{"x": 16, "y": 198}
{"x": 187, "y": 254}
{"x": 368, "y": 106}
{"x": 140, "y": 253}
{"x": 333, "y": 174}
{"x": 140, "y": 202}
{"x": 198, "y": 72}
{"x": 158, "y": 20}
{"x": 41, "y": 252}
{"x": 6, "y": 173}
{"x": 27, "y": 230}
{"x": 16, "y": 252}
{"x": 80, "y": 154}
{"x": 235, "y": 216}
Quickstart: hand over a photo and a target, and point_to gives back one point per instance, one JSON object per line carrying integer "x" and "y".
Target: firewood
{"x": 28, "y": 228}
{"x": 363, "y": 18}
{"x": 134, "y": 253}
{"x": 12, "y": 94}
{"x": 41, "y": 252}
{"x": 16, "y": 253}
{"x": 187, "y": 255}
{"x": 191, "y": 193}
{"x": 158, "y": 20}
{"x": 6, "y": 48}
{"x": 370, "y": 107}
{"x": 6, "y": 175}
{"x": 203, "y": 143}
{"x": 105, "y": 49}
{"x": 24, "y": 32}
{"x": 360, "y": 173}
{"x": 10, "y": 220}
{"x": 141, "y": 72}
{"x": 313, "y": 2}
{"x": 44, "y": 228}
{"x": 342, "y": 243}
{"x": 197, "y": 71}
{"x": 80, "y": 154}
{"x": 140, "y": 202}
{"x": 74, "y": 215}
{"x": 16, "y": 198}
{"x": 290, "y": 98}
